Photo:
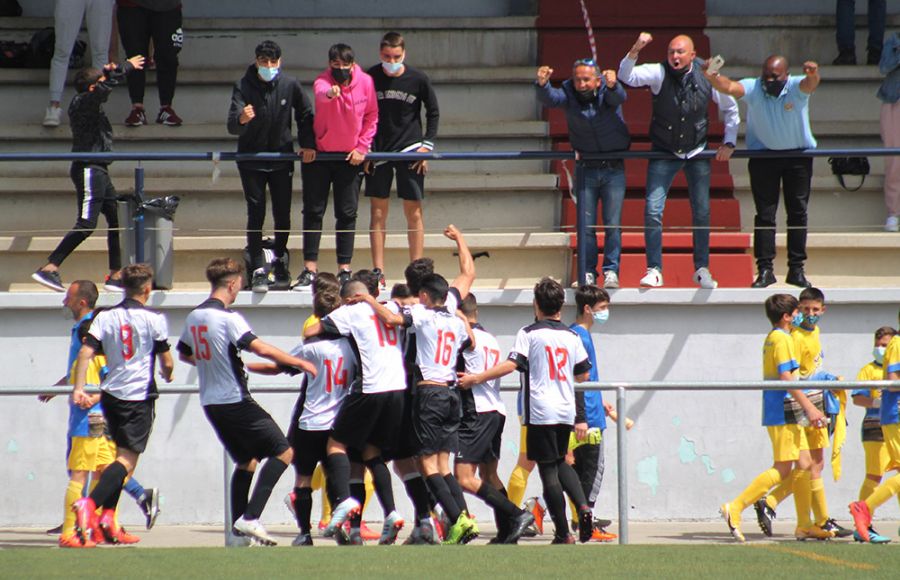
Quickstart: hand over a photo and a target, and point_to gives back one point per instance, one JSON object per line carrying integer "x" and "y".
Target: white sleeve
{"x": 728, "y": 110}
{"x": 342, "y": 319}
{"x": 645, "y": 75}
{"x": 160, "y": 328}
{"x": 580, "y": 352}
{"x": 97, "y": 327}
{"x": 521, "y": 346}
{"x": 237, "y": 327}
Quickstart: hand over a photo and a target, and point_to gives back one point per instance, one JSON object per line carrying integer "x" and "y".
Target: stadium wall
{"x": 687, "y": 451}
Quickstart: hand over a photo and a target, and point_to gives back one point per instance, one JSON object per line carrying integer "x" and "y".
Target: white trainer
{"x": 704, "y": 279}
{"x": 53, "y": 117}
{"x": 652, "y": 279}
{"x": 254, "y": 529}
{"x": 393, "y": 523}
{"x": 892, "y": 224}
{"x": 610, "y": 279}
{"x": 341, "y": 513}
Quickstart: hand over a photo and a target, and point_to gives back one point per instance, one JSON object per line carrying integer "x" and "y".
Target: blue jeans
{"x": 846, "y": 25}
{"x": 608, "y": 186}
{"x": 660, "y": 173}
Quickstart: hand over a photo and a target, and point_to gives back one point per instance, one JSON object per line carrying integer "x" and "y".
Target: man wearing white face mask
{"x": 260, "y": 114}
{"x": 402, "y": 91}
{"x": 592, "y": 305}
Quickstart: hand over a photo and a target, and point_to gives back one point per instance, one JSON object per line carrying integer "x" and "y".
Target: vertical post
{"x": 139, "y": 233}
{"x": 226, "y": 470}
{"x": 581, "y": 227}
{"x": 622, "y": 463}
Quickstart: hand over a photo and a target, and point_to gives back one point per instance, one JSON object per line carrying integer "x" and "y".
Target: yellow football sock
{"x": 370, "y": 488}
{"x": 318, "y": 482}
{"x": 518, "y": 481}
{"x": 757, "y": 488}
{"x": 803, "y": 498}
{"x": 73, "y": 494}
{"x": 574, "y": 510}
{"x": 866, "y": 489}
{"x": 780, "y": 493}
{"x": 819, "y": 505}
{"x": 883, "y": 493}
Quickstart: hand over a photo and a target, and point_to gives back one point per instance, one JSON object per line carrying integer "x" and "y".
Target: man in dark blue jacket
{"x": 593, "y": 104}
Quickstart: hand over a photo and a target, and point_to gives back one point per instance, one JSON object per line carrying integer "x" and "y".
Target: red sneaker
{"x": 125, "y": 538}
{"x": 85, "y": 517}
{"x": 136, "y": 118}
{"x": 73, "y": 541}
{"x": 108, "y": 527}
{"x": 367, "y": 533}
{"x": 168, "y": 117}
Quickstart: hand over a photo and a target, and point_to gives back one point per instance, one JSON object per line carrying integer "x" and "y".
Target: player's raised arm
{"x": 463, "y": 282}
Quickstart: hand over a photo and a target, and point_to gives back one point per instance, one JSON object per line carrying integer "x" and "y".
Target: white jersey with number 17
{"x": 484, "y": 356}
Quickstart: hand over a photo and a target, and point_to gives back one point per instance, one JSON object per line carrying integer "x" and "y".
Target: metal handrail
{"x": 620, "y": 387}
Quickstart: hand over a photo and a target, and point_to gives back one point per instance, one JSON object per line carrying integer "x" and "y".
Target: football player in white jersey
{"x": 480, "y": 432}
{"x": 133, "y": 339}
{"x": 551, "y": 358}
{"x": 212, "y": 339}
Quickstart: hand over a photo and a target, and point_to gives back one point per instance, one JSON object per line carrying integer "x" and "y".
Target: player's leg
{"x": 518, "y": 479}
{"x": 241, "y": 481}
{"x": 81, "y": 461}
{"x": 309, "y": 450}
{"x": 862, "y": 511}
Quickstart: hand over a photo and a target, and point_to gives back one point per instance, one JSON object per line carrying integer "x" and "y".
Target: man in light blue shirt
{"x": 777, "y": 120}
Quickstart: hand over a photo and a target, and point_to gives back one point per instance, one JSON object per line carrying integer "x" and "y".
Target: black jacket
{"x": 270, "y": 130}
{"x": 91, "y": 131}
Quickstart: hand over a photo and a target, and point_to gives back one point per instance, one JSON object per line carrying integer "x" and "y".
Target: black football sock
{"x": 110, "y": 485}
{"x": 457, "y": 492}
{"x": 495, "y": 499}
{"x": 553, "y": 495}
{"x": 438, "y": 486}
{"x": 571, "y": 484}
{"x": 381, "y": 477}
{"x": 268, "y": 476}
{"x": 337, "y": 472}
{"x": 357, "y": 492}
{"x": 240, "y": 490}
{"x": 418, "y": 493}
{"x": 303, "y": 508}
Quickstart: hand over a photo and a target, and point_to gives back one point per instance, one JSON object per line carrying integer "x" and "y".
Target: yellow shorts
{"x": 787, "y": 440}
{"x": 523, "y": 436}
{"x": 892, "y": 442}
{"x": 814, "y": 438}
{"x": 89, "y": 453}
{"x": 877, "y": 458}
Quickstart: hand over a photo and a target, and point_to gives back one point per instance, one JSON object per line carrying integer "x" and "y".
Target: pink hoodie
{"x": 347, "y": 121}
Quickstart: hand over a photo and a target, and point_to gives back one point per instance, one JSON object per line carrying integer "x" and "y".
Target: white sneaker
{"x": 393, "y": 523}
{"x": 53, "y": 117}
{"x": 610, "y": 279}
{"x": 254, "y": 529}
{"x": 705, "y": 279}
{"x": 339, "y": 515}
{"x": 652, "y": 279}
{"x": 892, "y": 224}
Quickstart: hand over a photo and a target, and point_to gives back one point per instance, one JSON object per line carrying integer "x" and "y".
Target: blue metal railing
{"x": 582, "y": 228}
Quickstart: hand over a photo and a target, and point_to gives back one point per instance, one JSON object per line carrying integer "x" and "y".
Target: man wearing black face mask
{"x": 777, "y": 119}
{"x": 593, "y": 105}
{"x": 679, "y": 125}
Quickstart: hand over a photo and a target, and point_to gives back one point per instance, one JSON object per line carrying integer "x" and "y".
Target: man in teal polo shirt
{"x": 777, "y": 120}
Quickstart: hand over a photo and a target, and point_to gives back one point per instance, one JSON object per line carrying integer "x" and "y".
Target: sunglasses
{"x": 584, "y": 62}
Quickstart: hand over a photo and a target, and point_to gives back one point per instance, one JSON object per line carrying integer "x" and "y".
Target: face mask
{"x": 798, "y": 319}
{"x": 601, "y": 317}
{"x": 813, "y": 319}
{"x": 878, "y": 353}
{"x": 678, "y": 73}
{"x": 585, "y": 97}
{"x": 267, "y": 73}
{"x": 774, "y": 88}
{"x": 392, "y": 68}
{"x": 340, "y": 75}
{"x": 67, "y": 314}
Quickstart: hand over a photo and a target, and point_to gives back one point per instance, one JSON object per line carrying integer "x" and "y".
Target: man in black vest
{"x": 681, "y": 95}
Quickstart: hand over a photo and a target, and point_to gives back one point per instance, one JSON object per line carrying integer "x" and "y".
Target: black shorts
{"x": 309, "y": 449}
{"x": 407, "y": 442}
{"x": 547, "y": 442}
{"x": 246, "y": 430}
{"x": 410, "y": 185}
{"x": 129, "y": 422}
{"x": 436, "y": 419}
{"x": 369, "y": 418}
{"x": 480, "y": 437}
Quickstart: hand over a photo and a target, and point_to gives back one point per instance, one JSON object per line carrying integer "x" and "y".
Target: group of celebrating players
{"x": 414, "y": 380}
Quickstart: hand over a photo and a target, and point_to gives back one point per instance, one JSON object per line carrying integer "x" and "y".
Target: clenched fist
{"x": 643, "y": 40}
{"x": 543, "y": 75}
{"x": 247, "y": 115}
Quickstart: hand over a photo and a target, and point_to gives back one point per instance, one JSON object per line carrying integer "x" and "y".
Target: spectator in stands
{"x": 346, "y": 120}
{"x": 679, "y": 125}
{"x": 889, "y": 93}
{"x": 593, "y": 104}
{"x": 139, "y": 22}
{"x": 67, "y": 18}
{"x": 260, "y": 114}
{"x": 846, "y": 31}
{"x": 777, "y": 119}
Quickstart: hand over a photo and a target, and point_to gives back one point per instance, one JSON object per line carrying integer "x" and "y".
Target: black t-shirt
{"x": 400, "y": 101}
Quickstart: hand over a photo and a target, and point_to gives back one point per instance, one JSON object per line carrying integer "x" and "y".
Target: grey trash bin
{"x": 158, "y": 234}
